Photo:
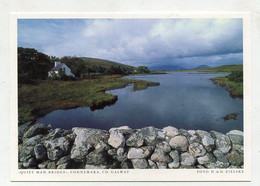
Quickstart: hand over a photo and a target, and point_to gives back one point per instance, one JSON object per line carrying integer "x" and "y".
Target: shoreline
{"x": 37, "y": 100}
{"x": 235, "y": 89}
{"x": 42, "y": 147}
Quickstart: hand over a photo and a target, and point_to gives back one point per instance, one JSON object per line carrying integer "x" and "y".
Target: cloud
{"x": 137, "y": 41}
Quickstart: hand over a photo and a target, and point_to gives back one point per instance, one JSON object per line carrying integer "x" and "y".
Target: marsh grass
{"x": 37, "y": 100}
{"x": 234, "y": 88}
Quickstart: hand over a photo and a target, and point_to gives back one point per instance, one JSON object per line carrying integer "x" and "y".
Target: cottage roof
{"x": 57, "y": 67}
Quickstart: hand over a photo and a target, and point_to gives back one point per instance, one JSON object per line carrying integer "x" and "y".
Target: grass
{"x": 234, "y": 88}
{"x": 37, "y": 100}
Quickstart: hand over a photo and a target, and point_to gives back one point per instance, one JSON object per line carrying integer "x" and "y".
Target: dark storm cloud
{"x": 138, "y": 41}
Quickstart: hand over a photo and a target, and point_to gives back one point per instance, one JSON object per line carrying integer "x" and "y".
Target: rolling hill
{"x": 202, "y": 67}
{"x": 224, "y": 68}
{"x": 104, "y": 63}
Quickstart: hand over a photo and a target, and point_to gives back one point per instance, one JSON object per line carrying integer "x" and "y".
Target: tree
{"x": 143, "y": 69}
{"x": 236, "y": 76}
{"x": 32, "y": 65}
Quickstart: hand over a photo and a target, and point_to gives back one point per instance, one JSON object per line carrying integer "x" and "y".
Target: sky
{"x": 150, "y": 42}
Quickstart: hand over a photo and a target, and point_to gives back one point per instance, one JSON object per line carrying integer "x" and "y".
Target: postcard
{"x": 130, "y": 97}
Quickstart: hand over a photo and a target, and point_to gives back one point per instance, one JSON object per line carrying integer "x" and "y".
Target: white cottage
{"x": 59, "y": 66}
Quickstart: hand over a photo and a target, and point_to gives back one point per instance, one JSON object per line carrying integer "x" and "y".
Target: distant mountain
{"x": 202, "y": 67}
{"x": 166, "y": 67}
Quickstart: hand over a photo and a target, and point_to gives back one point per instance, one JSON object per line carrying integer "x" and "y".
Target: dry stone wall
{"x": 42, "y": 147}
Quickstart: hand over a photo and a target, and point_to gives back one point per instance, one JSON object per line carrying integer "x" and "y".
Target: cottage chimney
{"x": 57, "y": 63}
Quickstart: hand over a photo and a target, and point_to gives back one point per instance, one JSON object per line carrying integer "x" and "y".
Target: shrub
{"x": 236, "y": 76}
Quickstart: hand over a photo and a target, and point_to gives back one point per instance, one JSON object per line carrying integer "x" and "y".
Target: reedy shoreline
{"x": 39, "y": 99}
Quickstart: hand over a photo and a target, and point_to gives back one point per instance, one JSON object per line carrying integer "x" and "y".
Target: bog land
{"x": 38, "y": 99}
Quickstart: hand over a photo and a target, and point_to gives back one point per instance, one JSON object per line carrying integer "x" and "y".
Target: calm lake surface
{"x": 183, "y": 100}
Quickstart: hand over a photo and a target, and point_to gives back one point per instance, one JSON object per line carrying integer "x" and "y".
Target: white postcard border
{"x": 130, "y": 174}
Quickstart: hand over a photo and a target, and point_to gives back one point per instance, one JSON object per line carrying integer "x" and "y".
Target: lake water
{"x": 183, "y": 100}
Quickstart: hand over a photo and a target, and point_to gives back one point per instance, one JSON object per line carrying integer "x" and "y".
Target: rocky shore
{"x": 41, "y": 147}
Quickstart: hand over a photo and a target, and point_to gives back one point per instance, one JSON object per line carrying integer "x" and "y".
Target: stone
{"x": 116, "y": 139}
{"x": 55, "y": 133}
{"x": 200, "y": 167}
{"x": 63, "y": 166}
{"x": 193, "y": 137}
{"x": 160, "y": 156}
{"x": 161, "y": 165}
{"x": 206, "y": 140}
{"x": 152, "y": 164}
{"x": 207, "y": 158}
{"x": 140, "y": 163}
{"x": 176, "y": 159}
{"x": 58, "y": 143}
{"x": 112, "y": 152}
{"x": 125, "y": 130}
{"x": 54, "y": 154}
{"x": 135, "y": 153}
{"x": 22, "y": 129}
{"x": 85, "y": 140}
{"x": 236, "y": 137}
{"x": 51, "y": 165}
{"x": 187, "y": 159}
{"x": 135, "y": 140}
{"x": 210, "y": 166}
{"x": 36, "y": 129}
{"x": 122, "y": 158}
{"x": 96, "y": 158}
{"x": 179, "y": 143}
{"x": 235, "y": 158}
{"x": 126, "y": 164}
{"x": 99, "y": 155}
{"x": 101, "y": 147}
{"x": 30, "y": 163}
{"x": 183, "y": 132}
{"x": 87, "y": 166}
{"x": 160, "y": 135}
{"x": 26, "y": 153}
{"x": 20, "y": 165}
{"x": 42, "y": 166}
{"x": 40, "y": 151}
{"x": 233, "y": 167}
{"x": 164, "y": 146}
{"x": 20, "y": 147}
{"x": 222, "y": 161}
{"x": 238, "y": 148}
{"x": 173, "y": 165}
{"x": 170, "y": 131}
{"x": 150, "y": 135}
{"x": 120, "y": 151}
{"x": 63, "y": 160}
{"x": 222, "y": 141}
{"x": 32, "y": 141}
{"x": 70, "y": 137}
{"x": 196, "y": 150}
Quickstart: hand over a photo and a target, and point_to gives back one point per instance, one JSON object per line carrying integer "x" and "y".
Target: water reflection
{"x": 184, "y": 100}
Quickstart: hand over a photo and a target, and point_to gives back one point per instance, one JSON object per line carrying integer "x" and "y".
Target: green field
{"x": 36, "y": 100}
